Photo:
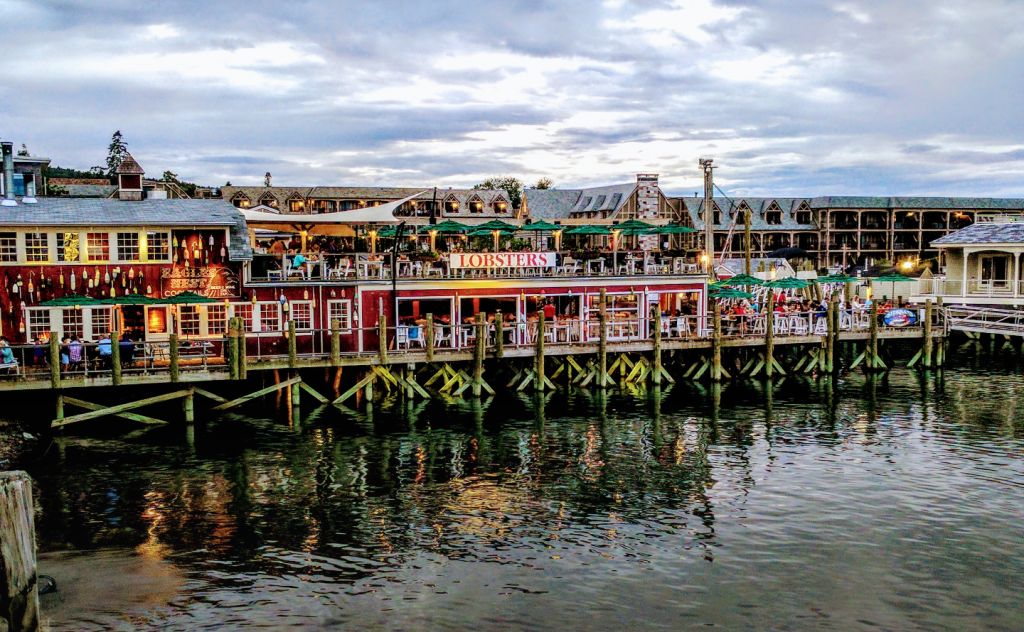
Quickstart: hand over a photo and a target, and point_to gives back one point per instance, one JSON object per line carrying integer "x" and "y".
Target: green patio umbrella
{"x": 836, "y": 278}
{"x": 71, "y": 300}
{"x": 789, "y": 283}
{"x": 496, "y": 224}
{"x": 633, "y": 224}
{"x": 892, "y": 277}
{"x": 588, "y": 229}
{"x": 493, "y": 232}
{"x": 129, "y": 299}
{"x": 741, "y": 279}
{"x": 445, "y": 227}
{"x": 540, "y": 226}
{"x": 718, "y": 285}
{"x": 187, "y": 298}
{"x": 672, "y": 229}
{"x": 731, "y": 293}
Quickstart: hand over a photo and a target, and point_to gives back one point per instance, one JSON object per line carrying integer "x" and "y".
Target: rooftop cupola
{"x": 129, "y": 179}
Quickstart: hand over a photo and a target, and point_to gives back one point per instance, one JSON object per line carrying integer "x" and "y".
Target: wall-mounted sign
{"x": 209, "y": 282}
{"x": 899, "y": 318}
{"x": 503, "y": 260}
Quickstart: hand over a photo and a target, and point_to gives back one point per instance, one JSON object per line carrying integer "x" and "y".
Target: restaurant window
{"x": 340, "y": 311}
{"x": 8, "y": 247}
{"x": 451, "y": 206}
{"x": 501, "y": 206}
{"x": 100, "y": 322}
{"x": 98, "y": 246}
{"x": 158, "y": 246}
{"x": 244, "y": 311}
{"x": 216, "y": 319}
{"x": 156, "y": 320}
{"x": 188, "y": 320}
{"x": 269, "y": 316}
{"x": 302, "y": 315}
{"x": 128, "y": 247}
{"x": 38, "y": 322}
{"x": 476, "y": 206}
{"x": 37, "y": 247}
{"x": 297, "y": 206}
{"x": 68, "y": 247}
{"x": 72, "y": 323}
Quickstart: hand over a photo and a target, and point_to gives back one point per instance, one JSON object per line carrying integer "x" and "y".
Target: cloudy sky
{"x": 790, "y": 97}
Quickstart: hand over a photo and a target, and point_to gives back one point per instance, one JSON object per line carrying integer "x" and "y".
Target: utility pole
{"x": 709, "y": 215}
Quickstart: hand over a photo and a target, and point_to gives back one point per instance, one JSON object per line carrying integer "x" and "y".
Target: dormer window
{"x": 773, "y": 216}
{"x": 451, "y": 205}
{"x": 476, "y": 205}
{"x": 297, "y": 205}
{"x": 269, "y": 200}
{"x": 500, "y": 206}
{"x": 803, "y": 214}
{"x": 241, "y": 201}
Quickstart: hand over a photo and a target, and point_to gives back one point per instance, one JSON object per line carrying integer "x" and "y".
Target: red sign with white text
{"x": 502, "y": 260}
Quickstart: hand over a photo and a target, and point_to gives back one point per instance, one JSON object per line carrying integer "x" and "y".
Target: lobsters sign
{"x": 502, "y": 260}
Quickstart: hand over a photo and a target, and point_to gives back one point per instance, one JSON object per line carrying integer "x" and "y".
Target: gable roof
{"x": 984, "y": 233}
{"x": 758, "y": 206}
{"x": 129, "y": 166}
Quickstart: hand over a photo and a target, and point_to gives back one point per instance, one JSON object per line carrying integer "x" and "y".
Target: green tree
{"x": 96, "y": 171}
{"x": 544, "y": 183}
{"x": 170, "y": 176}
{"x": 509, "y": 184}
{"x": 23, "y": 151}
{"x": 266, "y": 180}
{"x": 116, "y": 151}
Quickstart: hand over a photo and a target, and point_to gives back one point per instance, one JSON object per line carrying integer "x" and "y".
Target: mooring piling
{"x": 19, "y": 600}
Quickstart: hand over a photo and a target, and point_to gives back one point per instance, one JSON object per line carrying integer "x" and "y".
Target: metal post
{"x": 716, "y": 345}
{"x": 656, "y": 364}
{"x": 115, "y": 358}
{"x": 709, "y": 215}
{"x": 927, "y": 352}
{"x": 429, "y": 333}
{"x": 747, "y": 244}
{"x": 173, "y": 342}
{"x": 769, "y": 337}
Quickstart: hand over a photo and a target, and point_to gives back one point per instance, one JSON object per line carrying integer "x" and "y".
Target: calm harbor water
{"x": 877, "y": 504}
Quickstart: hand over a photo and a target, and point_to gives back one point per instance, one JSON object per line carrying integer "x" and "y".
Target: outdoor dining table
{"x": 369, "y": 269}
{"x": 592, "y": 263}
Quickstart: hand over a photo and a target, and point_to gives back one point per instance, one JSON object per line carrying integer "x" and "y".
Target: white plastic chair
{"x": 402, "y": 337}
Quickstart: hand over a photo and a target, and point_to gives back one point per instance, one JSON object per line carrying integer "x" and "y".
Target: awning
{"x": 337, "y": 223}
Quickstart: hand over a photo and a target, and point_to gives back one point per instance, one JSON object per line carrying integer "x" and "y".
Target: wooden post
{"x": 410, "y": 378}
{"x": 233, "y": 348}
{"x": 478, "y": 353}
{"x": 602, "y": 345}
{"x": 848, "y": 292}
{"x": 656, "y": 364}
{"x": 872, "y": 350}
{"x": 293, "y": 347}
{"x": 188, "y": 404}
{"x": 59, "y": 412}
{"x": 54, "y": 359}
{"x": 716, "y": 345}
{"x": 335, "y": 343}
{"x": 769, "y": 336}
{"x": 499, "y": 335}
{"x": 429, "y": 333}
{"x": 295, "y": 391}
{"x": 940, "y": 352}
{"x": 240, "y": 358}
{"x": 833, "y": 325}
{"x": 19, "y": 600}
{"x": 927, "y": 351}
{"x": 115, "y": 358}
{"x": 382, "y": 334}
{"x": 538, "y": 382}
{"x": 368, "y": 390}
{"x": 173, "y": 342}
{"x": 747, "y": 244}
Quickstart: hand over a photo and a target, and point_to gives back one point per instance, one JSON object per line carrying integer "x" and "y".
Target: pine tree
{"x": 116, "y": 151}
{"x": 266, "y": 180}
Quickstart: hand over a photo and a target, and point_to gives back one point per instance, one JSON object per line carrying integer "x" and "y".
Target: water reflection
{"x": 739, "y": 504}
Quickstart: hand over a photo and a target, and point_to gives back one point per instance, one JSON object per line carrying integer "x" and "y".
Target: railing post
{"x": 478, "y": 353}
{"x": 428, "y": 331}
{"x": 538, "y": 361}
{"x": 173, "y": 352}
{"x": 115, "y": 358}
{"x": 656, "y": 364}
{"x": 233, "y": 348}
{"x": 335, "y": 343}
{"x": 602, "y": 345}
{"x": 19, "y": 599}
{"x": 54, "y": 359}
{"x": 499, "y": 335}
{"x": 293, "y": 348}
{"x": 769, "y": 336}
{"x": 927, "y": 351}
{"x": 382, "y": 335}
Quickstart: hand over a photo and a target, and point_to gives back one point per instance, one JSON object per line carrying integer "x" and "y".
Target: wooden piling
{"x": 382, "y": 335}
{"x": 188, "y": 404}
{"x": 656, "y": 363}
{"x": 716, "y": 345}
{"x": 830, "y": 336}
{"x": 927, "y": 350}
{"x": 833, "y": 324}
{"x": 115, "y": 358}
{"x": 478, "y": 353}
{"x": 19, "y": 600}
{"x": 55, "y": 359}
{"x": 233, "y": 348}
{"x": 602, "y": 345}
{"x": 872, "y": 350}
{"x": 499, "y": 335}
{"x": 174, "y": 353}
{"x": 59, "y": 408}
{"x": 296, "y": 390}
{"x": 293, "y": 346}
{"x": 429, "y": 333}
{"x": 335, "y": 342}
{"x": 243, "y": 365}
{"x": 848, "y": 292}
{"x": 769, "y": 337}
{"x": 538, "y": 382}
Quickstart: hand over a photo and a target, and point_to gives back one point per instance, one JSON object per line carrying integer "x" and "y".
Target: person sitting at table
{"x": 277, "y": 247}
{"x": 298, "y": 262}
{"x": 549, "y": 312}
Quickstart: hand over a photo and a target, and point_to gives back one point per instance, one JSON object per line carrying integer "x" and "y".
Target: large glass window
{"x": 216, "y": 319}
{"x": 188, "y": 320}
{"x": 37, "y": 247}
{"x": 244, "y": 311}
{"x": 158, "y": 246}
{"x": 100, "y": 322}
{"x": 340, "y": 311}
{"x": 8, "y": 247}
{"x": 73, "y": 324}
{"x": 38, "y": 322}
{"x": 68, "y": 247}
{"x": 270, "y": 316}
{"x": 128, "y": 247}
{"x": 302, "y": 315}
{"x": 98, "y": 246}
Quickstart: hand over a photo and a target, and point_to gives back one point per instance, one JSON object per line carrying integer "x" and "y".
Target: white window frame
{"x": 304, "y": 305}
{"x": 49, "y": 247}
{"x": 345, "y": 325}
{"x": 259, "y": 327}
{"x": 16, "y": 252}
{"x": 86, "y": 251}
{"x": 56, "y": 246}
{"x": 144, "y": 245}
{"x": 138, "y": 245}
{"x": 200, "y": 320}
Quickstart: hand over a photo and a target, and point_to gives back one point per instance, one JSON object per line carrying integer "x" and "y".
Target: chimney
{"x": 129, "y": 179}
{"x": 8, "y": 173}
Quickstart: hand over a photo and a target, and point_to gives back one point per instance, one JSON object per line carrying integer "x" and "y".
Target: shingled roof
{"x": 984, "y": 233}
{"x": 86, "y": 212}
{"x": 551, "y": 203}
{"x": 758, "y": 207}
{"x": 129, "y": 166}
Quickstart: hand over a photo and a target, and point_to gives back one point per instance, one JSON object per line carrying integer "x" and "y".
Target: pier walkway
{"x": 985, "y": 320}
